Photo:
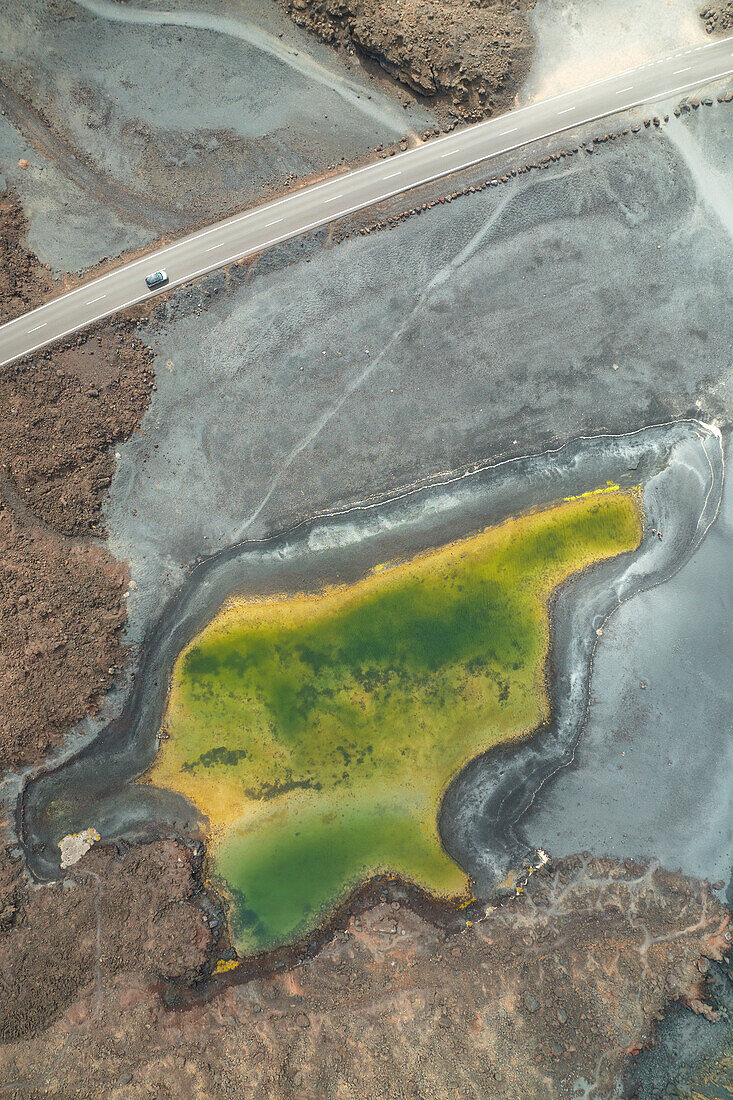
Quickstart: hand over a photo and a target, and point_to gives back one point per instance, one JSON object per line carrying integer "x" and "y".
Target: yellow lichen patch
{"x": 609, "y": 487}
{"x": 225, "y": 965}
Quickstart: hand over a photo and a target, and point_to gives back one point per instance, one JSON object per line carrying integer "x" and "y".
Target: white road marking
{"x": 213, "y": 246}
{"x": 566, "y": 110}
{"x": 30, "y": 330}
{"x": 678, "y": 71}
{"x": 99, "y": 299}
{"x": 622, "y": 90}
{"x": 392, "y": 176}
{"x": 273, "y": 223}
{"x": 60, "y": 335}
{"x": 512, "y": 131}
{"x": 241, "y": 255}
{"x": 450, "y": 153}
{"x": 333, "y": 198}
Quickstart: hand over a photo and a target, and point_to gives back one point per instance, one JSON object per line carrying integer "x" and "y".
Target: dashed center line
{"x": 566, "y": 110}
{"x": 512, "y": 131}
{"x": 213, "y": 246}
{"x": 622, "y": 90}
{"x": 450, "y": 153}
{"x": 334, "y": 198}
{"x": 273, "y": 223}
{"x": 30, "y": 330}
{"x": 392, "y": 175}
{"x": 93, "y": 300}
{"x": 678, "y": 71}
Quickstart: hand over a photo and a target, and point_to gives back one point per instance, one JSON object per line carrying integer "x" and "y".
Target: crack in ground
{"x": 356, "y": 383}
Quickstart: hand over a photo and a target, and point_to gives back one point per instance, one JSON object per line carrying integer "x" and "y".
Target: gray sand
{"x": 196, "y": 111}
{"x": 391, "y": 358}
{"x": 487, "y": 327}
{"x": 67, "y": 228}
{"x": 653, "y": 771}
{"x": 652, "y": 775}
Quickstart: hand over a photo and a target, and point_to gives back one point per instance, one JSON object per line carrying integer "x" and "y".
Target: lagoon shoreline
{"x": 677, "y": 462}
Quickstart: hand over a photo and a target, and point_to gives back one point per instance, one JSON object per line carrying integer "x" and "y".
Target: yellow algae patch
{"x": 609, "y": 487}
{"x": 318, "y": 732}
{"x": 225, "y": 965}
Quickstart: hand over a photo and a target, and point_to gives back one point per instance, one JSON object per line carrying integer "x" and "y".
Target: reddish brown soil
{"x": 62, "y": 611}
{"x": 465, "y": 55}
{"x": 564, "y": 980}
{"x": 137, "y": 911}
{"x": 62, "y": 411}
{"x": 23, "y": 282}
{"x": 61, "y": 593}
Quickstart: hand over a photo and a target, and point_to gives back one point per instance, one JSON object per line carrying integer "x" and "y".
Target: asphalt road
{"x": 309, "y": 207}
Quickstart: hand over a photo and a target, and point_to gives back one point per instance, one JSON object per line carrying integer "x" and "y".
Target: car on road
{"x": 158, "y": 278}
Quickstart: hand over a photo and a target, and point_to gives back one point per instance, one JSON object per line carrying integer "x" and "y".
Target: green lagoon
{"x": 318, "y": 732}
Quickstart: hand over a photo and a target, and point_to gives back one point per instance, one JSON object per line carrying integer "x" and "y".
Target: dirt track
{"x": 136, "y": 209}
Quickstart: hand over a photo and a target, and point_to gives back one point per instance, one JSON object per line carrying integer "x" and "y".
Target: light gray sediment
{"x": 481, "y": 810}
{"x": 652, "y": 772}
{"x": 586, "y": 298}
{"x": 174, "y": 117}
{"x": 372, "y": 105}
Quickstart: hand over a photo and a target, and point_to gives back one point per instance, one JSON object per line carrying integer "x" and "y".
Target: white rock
{"x": 75, "y": 845}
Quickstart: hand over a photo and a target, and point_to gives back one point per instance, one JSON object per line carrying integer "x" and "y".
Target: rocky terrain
{"x": 465, "y": 56}
{"x": 23, "y": 283}
{"x": 132, "y": 910}
{"x": 61, "y": 412}
{"x": 718, "y": 17}
{"x": 566, "y": 979}
{"x": 62, "y": 611}
{"x": 562, "y": 982}
{"x": 61, "y": 592}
